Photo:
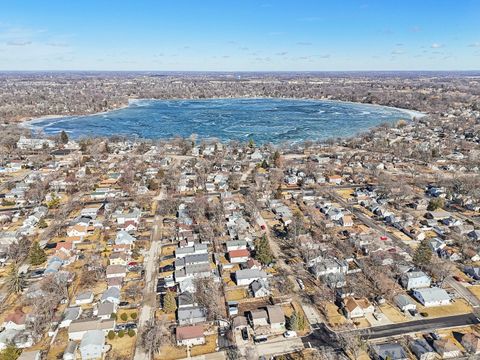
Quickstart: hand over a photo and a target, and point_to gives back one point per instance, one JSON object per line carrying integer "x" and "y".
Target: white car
{"x": 301, "y": 284}
{"x": 289, "y": 334}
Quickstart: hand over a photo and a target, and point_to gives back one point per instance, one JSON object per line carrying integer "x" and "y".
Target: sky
{"x": 240, "y": 35}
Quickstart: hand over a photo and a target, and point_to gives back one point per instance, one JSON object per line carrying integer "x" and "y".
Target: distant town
{"x": 351, "y": 248}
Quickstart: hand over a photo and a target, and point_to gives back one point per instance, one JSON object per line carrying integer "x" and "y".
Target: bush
{"x": 111, "y": 335}
{"x": 424, "y": 314}
{"x": 121, "y": 333}
{"x": 113, "y": 316}
{"x": 134, "y": 316}
{"x": 131, "y": 333}
{"x": 124, "y": 317}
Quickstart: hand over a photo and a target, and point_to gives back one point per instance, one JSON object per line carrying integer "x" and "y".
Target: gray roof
{"x": 105, "y": 308}
{"x": 433, "y": 294}
{"x": 192, "y": 259}
{"x": 391, "y": 351}
{"x": 71, "y": 313}
{"x": 420, "y": 347}
{"x": 109, "y": 293}
{"x": 190, "y": 249}
{"x": 93, "y": 337}
{"x": 250, "y": 274}
{"x": 196, "y": 312}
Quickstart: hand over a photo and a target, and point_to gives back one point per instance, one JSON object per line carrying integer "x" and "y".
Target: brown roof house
{"x": 276, "y": 318}
{"x": 15, "y": 320}
{"x": 190, "y": 335}
{"x": 471, "y": 343}
{"x": 356, "y": 308}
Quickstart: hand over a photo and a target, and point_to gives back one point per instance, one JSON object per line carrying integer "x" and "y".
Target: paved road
{"x": 463, "y": 291}
{"x": 149, "y": 298}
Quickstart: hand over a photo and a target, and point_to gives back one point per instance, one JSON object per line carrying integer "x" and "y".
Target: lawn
{"x": 457, "y": 307}
{"x": 170, "y": 352}
{"x": 334, "y": 317}
{"x": 236, "y": 294}
{"x": 475, "y": 290}
{"x": 209, "y": 347}
{"x": 168, "y": 250}
{"x": 124, "y": 346}
{"x": 129, "y": 313}
{"x": 393, "y": 314}
{"x": 345, "y": 193}
{"x": 59, "y": 345}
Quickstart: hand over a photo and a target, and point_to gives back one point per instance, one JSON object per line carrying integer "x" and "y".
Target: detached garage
{"x": 432, "y": 297}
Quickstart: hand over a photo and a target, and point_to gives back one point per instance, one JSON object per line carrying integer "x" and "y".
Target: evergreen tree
{"x": 63, "y": 137}
{"x": 16, "y": 281}
{"x": 42, "y": 224}
{"x": 169, "y": 302}
{"x": 423, "y": 254}
{"x": 296, "y": 322}
{"x": 277, "y": 162}
{"x": 263, "y": 253}
{"x": 37, "y": 254}
{"x": 11, "y": 352}
{"x": 264, "y": 164}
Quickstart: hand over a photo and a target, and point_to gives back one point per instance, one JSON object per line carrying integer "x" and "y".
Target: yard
{"x": 393, "y": 314}
{"x": 236, "y": 294}
{"x": 124, "y": 346}
{"x": 334, "y": 317}
{"x": 457, "y": 307}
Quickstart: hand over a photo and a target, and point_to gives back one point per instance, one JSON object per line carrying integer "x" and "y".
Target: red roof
{"x": 18, "y": 317}
{"x": 238, "y": 253}
{"x": 189, "y": 332}
{"x": 68, "y": 245}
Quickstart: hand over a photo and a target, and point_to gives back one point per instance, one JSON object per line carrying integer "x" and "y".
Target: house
{"x": 92, "y": 345}
{"x": 186, "y": 299}
{"x": 238, "y": 256}
{"x": 116, "y": 271}
{"x": 105, "y": 310}
{"x": 191, "y": 315}
{"x": 321, "y": 266}
{"x": 70, "y": 314}
{"x": 17, "y": 337}
{"x": 118, "y": 258}
{"x": 84, "y": 298}
{"x": 415, "y": 280}
{"x": 446, "y": 348}
{"x": 247, "y": 276}
{"x": 188, "y": 260}
{"x": 124, "y": 238}
{"x": 471, "y": 343}
{"x": 236, "y": 245}
{"x": 258, "y": 318}
{"x": 473, "y": 272}
{"x": 30, "y": 355}
{"x": 193, "y": 271}
{"x": 276, "y": 317}
{"x": 260, "y": 288}
{"x": 404, "y": 303}
{"x": 474, "y": 235}
{"x": 77, "y": 230}
{"x": 355, "y": 308}
{"x": 78, "y": 328}
{"x": 111, "y": 295}
{"x": 438, "y": 214}
{"x": 190, "y": 335}
{"x": 390, "y": 351}
{"x": 15, "y": 320}
{"x": 422, "y": 350}
{"x": 432, "y": 296}
{"x": 191, "y": 250}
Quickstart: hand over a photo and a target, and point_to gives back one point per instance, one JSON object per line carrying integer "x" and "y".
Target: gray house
{"x": 191, "y": 315}
{"x": 391, "y": 351}
{"x": 415, "y": 280}
{"x": 422, "y": 350}
{"x": 92, "y": 345}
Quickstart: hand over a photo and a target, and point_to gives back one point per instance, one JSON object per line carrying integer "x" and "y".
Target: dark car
{"x": 245, "y": 334}
{"x": 129, "y": 326}
{"x": 167, "y": 268}
{"x": 123, "y": 303}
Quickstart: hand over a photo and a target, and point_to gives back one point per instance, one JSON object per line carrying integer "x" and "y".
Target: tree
{"x": 11, "y": 352}
{"x": 436, "y": 203}
{"x": 111, "y": 335}
{"x": 16, "y": 281}
{"x": 251, "y": 143}
{"x": 42, "y": 224}
{"x": 63, "y": 137}
{"x": 124, "y": 316}
{"x": 277, "y": 160}
{"x": 263, "y": 253}
{"x": 423, "y": 254}
{"x": 37, "y": 254}
{"x": 169, "y": 302}
{"x": 134, "y": 316}
{"x": 54, "y": 202}
{"x": 207, "y": 295}
{"x": 352, "y": 343}
{"x": 296, "y": 322}
{"x": 121, "y": 333}
{"x": 154, "y": 336}
{"x": 131, "y": 333}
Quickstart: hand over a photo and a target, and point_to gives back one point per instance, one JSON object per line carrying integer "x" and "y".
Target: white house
{"x": 432, "y": 296}
{"x": 92, "y": 345}
{"x": 247, "y": 276}
{"x": 415, "y": 280}
{"x": 404, "y": 302}
{"x": 190, "y": 335}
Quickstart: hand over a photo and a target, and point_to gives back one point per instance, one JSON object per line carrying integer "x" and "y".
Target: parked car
{"x": 245, "y": 334}
{"x": 167, "y": 268}
{"x": 301, "y": 284}
{"x": 260, "y": 339}
{"x": 289, "y": 334}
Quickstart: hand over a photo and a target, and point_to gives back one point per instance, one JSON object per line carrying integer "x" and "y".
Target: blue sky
{"x": 240, "y": 35}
